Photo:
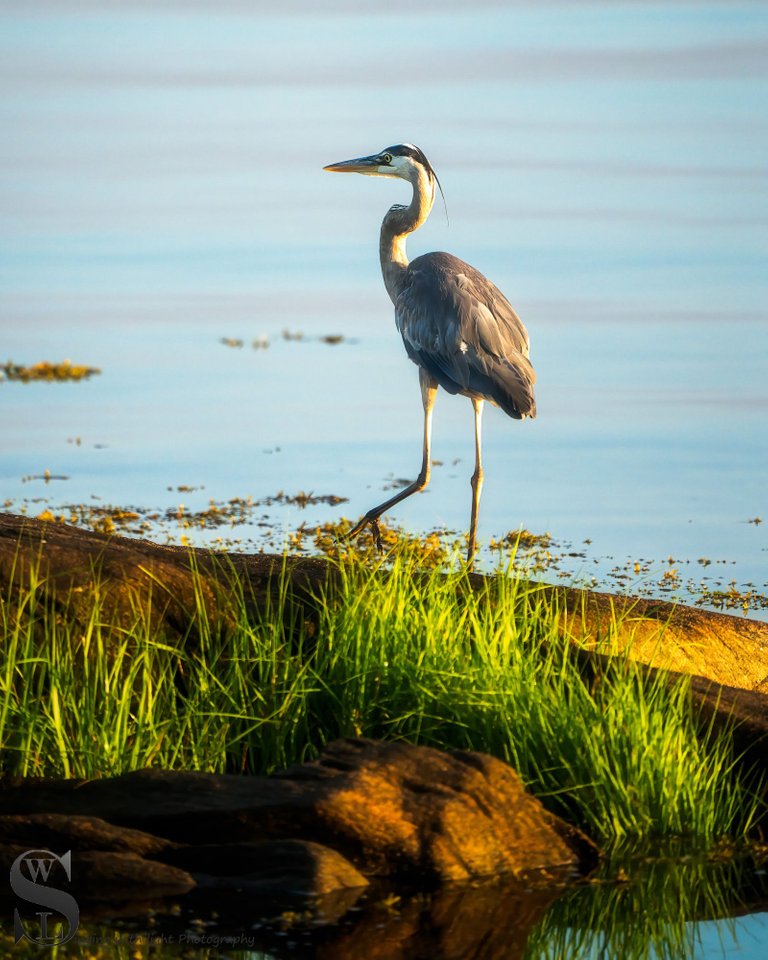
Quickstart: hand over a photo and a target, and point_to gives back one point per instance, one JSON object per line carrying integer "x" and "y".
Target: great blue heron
{"x": 457, "y": 327}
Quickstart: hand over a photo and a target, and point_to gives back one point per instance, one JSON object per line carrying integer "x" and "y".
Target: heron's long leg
{"x": 428, "y": 391}
{"x": 477, "y": 480}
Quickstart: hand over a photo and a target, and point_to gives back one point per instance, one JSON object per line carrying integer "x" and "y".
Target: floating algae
{"x": 49, "y": 372}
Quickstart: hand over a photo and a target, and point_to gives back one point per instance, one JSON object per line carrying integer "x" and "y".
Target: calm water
{"x": 646, "y": 916}
{"x": 605, "y": 164}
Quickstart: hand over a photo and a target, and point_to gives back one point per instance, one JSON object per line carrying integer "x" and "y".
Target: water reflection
{"x": 657, "y": 908}
{"x": 674, "y": 907}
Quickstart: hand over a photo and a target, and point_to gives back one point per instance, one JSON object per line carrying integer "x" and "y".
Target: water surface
{"x": 603, "y": 163}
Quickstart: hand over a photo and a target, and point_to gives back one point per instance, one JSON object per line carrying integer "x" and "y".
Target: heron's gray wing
{"x": 461, "y": 328}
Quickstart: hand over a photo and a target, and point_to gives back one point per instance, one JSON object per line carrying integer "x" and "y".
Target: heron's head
{"x": 402, "y": 160}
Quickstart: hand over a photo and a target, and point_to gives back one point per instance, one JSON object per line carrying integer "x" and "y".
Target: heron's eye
{"x": 386, "y": 158}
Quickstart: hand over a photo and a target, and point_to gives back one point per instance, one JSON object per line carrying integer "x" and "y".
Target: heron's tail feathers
{"x": 510, "y": 386}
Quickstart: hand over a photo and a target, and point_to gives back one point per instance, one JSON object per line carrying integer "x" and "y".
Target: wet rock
{"x": 62, "y": 831}
{"x": 109, "y": 863}
{"x": 413, "y": 812}
{"x": 293, "y": 867}
{"x": 111, "y": 877}
{"x": 397, "y": 811}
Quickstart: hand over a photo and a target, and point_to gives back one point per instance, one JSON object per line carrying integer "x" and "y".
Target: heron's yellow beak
{"x": 369, "y": 165}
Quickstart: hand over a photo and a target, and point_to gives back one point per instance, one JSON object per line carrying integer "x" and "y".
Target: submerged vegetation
{"x": 254, "y": 525}
{"x": 388, "y": 650}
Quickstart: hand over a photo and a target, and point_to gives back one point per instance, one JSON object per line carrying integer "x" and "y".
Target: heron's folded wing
{"x": 460, "y": 327}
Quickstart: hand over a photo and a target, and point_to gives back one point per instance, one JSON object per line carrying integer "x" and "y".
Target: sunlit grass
{"x": 387, "y": 650}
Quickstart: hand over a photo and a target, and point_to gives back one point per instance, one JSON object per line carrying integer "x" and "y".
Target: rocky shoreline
{"x": 364, "y": 811}
{"x": 366, "y": 814}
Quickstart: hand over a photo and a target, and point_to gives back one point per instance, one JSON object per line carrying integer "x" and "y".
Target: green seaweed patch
{"x": 523, "y": 540}
{"x": 49, "y": 372}
{"x": 103, "y": 519}
{"x": 733, "y": 597}
{"x": 429, "y": 550}
{"x": 534, "y": 554}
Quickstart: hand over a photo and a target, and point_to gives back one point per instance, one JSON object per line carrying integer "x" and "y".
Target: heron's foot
{"x": 373, "y": 522}
{"x": 376, "y": 534}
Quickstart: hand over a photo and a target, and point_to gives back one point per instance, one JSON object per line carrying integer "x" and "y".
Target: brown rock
{"x": 728, "y": 650}
{"x": 109, "y": 863}
{"x": 112, "y": 877}
{"x": 61, "y": 831}
{"x": 293, "y": 867}
{"x": 742, "y": 714}
{"x": 408, "y": 813}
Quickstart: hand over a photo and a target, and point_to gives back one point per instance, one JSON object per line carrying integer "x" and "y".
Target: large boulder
{"x": 414, "y": 812}
{"x": 406, "y": 813}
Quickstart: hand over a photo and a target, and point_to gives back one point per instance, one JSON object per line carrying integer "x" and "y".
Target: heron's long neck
{"x": 398, "y": 223}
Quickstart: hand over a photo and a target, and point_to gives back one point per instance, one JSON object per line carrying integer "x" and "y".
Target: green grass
{"x": 389, "y": 651}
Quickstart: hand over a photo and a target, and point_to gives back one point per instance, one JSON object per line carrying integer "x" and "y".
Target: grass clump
{"x": 381, "y": 650}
